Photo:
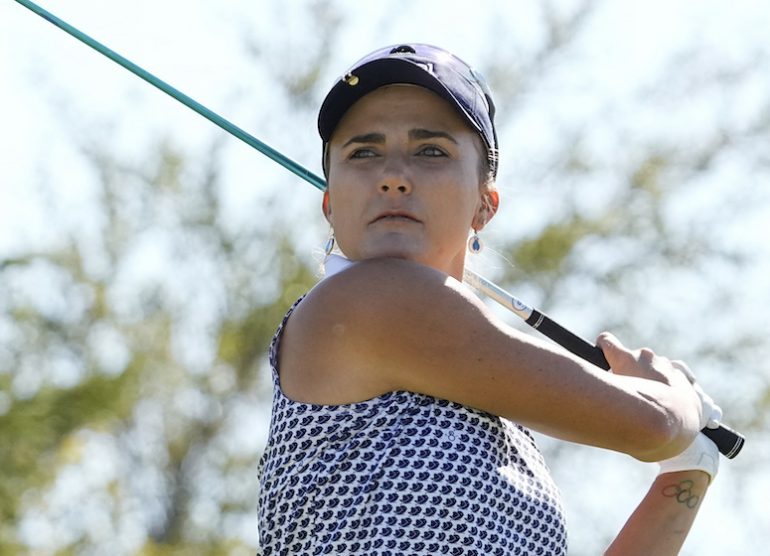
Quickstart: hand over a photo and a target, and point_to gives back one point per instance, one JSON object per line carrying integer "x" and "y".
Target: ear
{"x": 488, "y": 204}
{"x": 326, "y": 206}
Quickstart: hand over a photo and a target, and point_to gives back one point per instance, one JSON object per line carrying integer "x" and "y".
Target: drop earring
{"x": 475, "y": 245}
{"x": 329, "y": 244}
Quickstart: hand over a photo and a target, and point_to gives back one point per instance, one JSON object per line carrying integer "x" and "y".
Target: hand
{"x": 702, "y": 455}
{"x": 712, "y": 413}
{"x": 645, "y": 363}
{"x": 641, "y": 363}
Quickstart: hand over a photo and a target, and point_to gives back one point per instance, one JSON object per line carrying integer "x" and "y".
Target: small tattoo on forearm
{"x": 682, "y": 493}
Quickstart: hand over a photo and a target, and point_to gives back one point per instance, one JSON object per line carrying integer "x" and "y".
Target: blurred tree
{"x": 120, "y": 359}
{"x": 132, "y": 352}
{"x": 627, "y": 241}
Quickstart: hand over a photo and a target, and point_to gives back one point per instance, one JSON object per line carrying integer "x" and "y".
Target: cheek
{"x": 455, "y": 210}
{"x": 345, "y": 203}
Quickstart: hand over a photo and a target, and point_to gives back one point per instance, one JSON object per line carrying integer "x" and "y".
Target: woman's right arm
{"x": 388, "y": 324}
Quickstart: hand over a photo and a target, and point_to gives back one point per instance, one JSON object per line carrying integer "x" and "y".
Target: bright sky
{"x": 50, "y": 83}
{"x": 198, "y": 47}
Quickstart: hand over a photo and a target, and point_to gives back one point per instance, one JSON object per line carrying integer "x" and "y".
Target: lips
{"x": 395, "y": 216}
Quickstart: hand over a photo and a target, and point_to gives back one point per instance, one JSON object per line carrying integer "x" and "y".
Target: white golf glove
{"x": 702, "y": 454}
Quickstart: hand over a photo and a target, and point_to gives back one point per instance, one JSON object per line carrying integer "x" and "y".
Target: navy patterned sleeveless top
{"x": 402, "y": 474}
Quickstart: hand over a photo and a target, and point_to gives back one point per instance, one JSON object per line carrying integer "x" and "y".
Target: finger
{"x": 682, "y": 366}
{"x": 617, "y": 355}
{"x": 712, "y": 413}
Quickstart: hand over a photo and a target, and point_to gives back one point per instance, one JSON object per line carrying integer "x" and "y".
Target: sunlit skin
{"x": 405, "y": 183}
{"x": 404, "y": 178}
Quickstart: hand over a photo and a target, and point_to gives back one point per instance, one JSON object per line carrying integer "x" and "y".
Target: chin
{"x": 394, "y": 254}
{"x": 393, "y": 247}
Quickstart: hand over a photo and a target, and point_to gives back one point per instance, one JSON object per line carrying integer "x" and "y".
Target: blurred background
{"x": 146, "y": 256}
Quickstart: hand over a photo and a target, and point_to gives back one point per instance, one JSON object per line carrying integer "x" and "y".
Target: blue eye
{"x": 363, "y": 153}
{"x": 431, "y": 151}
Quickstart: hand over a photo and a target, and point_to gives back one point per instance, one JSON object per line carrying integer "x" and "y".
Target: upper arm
{"x": 387, "y": 325}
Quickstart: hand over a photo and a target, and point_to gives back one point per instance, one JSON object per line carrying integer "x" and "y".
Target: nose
{"x": 401, "y": 187}
{"x": 395, "y": 179}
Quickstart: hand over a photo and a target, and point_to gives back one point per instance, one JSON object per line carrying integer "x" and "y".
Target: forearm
{"x": 661, "y": 522}
{"x": 646, "y": 419}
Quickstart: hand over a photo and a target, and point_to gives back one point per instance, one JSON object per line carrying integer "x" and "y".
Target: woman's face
{"x": 404, "y": 175}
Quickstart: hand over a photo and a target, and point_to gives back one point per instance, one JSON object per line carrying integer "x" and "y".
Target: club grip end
{"x": 728, "y": 441}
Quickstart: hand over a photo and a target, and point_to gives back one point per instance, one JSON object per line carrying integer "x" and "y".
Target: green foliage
{"x": 41, "y": 433}
{"x": 242, "y": 340}
{"x": 34, "y": 429}
{"x": 548, "y": 251}
{"x": 170, "y": 366}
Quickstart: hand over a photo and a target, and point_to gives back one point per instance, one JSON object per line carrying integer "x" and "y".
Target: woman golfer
{"x": 402, "y": 406}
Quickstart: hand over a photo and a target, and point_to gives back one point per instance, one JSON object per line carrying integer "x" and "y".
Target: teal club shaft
{"x": 727, "y": 440}
{"x": 228, "y": 126}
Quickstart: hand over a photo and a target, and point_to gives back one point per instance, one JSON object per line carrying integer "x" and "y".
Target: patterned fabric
{"x": 402, "y": 474}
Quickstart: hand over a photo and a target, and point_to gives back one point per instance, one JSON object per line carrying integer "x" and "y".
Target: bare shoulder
{"x": 383, "y": 290}
{"x": 348, "y": 338}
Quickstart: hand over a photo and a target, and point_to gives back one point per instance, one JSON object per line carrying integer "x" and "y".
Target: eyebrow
{"x": 414, "y": 134}
{"x": 430, "y": 134}
{"x": 366, "y": 138}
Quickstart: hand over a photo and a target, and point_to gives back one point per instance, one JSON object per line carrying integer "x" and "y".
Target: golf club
{"x": 728, "y": 441}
